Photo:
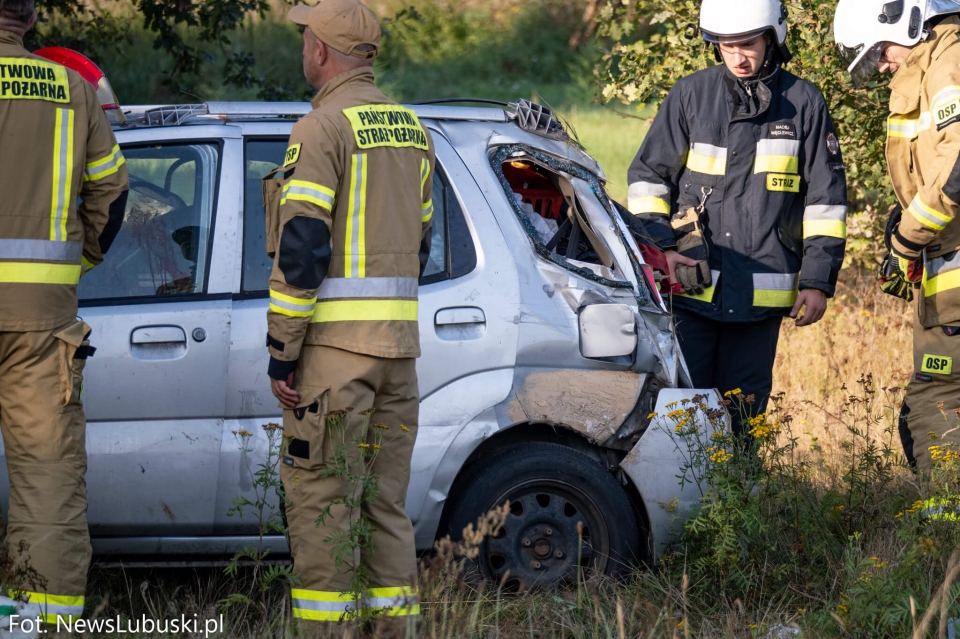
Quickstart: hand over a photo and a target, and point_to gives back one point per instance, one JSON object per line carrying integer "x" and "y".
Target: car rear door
{"x": 160, "y": 308}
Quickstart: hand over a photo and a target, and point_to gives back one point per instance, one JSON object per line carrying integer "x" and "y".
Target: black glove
{"x": 897, "y": 274}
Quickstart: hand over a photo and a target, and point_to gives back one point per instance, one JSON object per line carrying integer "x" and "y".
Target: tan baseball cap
{"x": 341, "y": 24}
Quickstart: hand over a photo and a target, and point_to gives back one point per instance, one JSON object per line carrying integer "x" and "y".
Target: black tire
{"x": 550, "y": 488}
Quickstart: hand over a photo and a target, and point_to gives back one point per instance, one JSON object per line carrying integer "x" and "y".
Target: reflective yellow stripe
{"x": 62, "y": 174}
{"x": 648, "y": 204}
{"x": 393, "y": 591}
{"x": 355, "y": 250}
{"x": 85, "y": 264}
{"x": 708, "y": 292}
{"x": 908, "y": 128}
{"x": 775, "y": 290}
{"x": 706, "y": 164}
{"x": 38, "y": 273}
{"x": 826, "y": 228}
{"x": 778, "y": 299}
{"x": 308, "y": 192}
{"x": 291, "y": 306}
{"x": 52, "y": 606}
{"x": 318, "y": 615}
{"x": 776, "y": 164}
{"x": 927, "y": 216}
{"x": 426, "y": 212}
{"x": 940, "y": 283}
{"x": 106, "y": 166}
{"x": 365, "y": 310}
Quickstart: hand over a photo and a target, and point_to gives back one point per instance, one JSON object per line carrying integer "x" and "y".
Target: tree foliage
{"x": 195, "y": 34}
{"x": 651, "y": 44}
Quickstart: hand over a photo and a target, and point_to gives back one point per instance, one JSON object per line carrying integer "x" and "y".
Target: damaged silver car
{"x": 546, "y": 346}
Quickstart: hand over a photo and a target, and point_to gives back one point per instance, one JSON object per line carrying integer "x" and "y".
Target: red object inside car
{"x": 658, "y": 261}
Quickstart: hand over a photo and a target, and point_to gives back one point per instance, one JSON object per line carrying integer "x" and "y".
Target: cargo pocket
{"x": 304, "y": 433}
{"x": 73, "y": 350}
{"x": 272, "y": 188}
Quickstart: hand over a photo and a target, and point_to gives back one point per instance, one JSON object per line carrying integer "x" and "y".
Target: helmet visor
{"x": 862, "y": 61}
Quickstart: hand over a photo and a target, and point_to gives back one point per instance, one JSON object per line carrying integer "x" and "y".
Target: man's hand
{"x": 815, "y": 303}
{"x": 674, "y": 258}
{"x": 283, "y": 390}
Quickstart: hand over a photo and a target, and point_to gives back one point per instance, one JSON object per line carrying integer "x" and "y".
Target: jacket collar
{"x": 10, "y": 38}
{"x": 362, "y": 75}
{"x": 905, "y": 86}
{"x": 750, "y": 105}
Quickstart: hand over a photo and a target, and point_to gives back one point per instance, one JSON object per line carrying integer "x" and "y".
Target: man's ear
{"x": 321, "y": 54}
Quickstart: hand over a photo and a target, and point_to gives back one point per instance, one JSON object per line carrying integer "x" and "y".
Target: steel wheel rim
{"x": 542, "y": 521}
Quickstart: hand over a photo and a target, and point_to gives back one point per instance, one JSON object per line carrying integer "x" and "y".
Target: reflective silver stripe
{"x": 944, "y": 97}
{"x": 778, "y": 147}
{"x": 368, "y": 288}
{"x": 702, "y": 148}
{"x": 324, "y": 606}
{"x": 774, "y": 281}
{"x": 40, "y": 250}
{"x": 102, "y": 170}
{"x": 63, "y": 611}
{"x": 303, "y": 190}
{"x": 65, "y": 162}
{"x": 824, "y": 212}
{"x": 390, "y": 602}
{"x": 356, "y": 216}
{"x": 938, "y": 265}
{"x": 306, "y": 307}
{"x": 645, "y": 189}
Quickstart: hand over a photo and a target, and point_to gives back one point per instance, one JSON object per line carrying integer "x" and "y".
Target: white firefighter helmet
{"x": 721, "y": 22}
{"x": 861, "y": 28}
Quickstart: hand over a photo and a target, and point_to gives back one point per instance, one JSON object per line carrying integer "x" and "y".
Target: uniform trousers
{"x": 730, "y": 355}
{"x": 935, "y": 379}
{"x": 44, "y": 431}
{"x": 329, "y": 380}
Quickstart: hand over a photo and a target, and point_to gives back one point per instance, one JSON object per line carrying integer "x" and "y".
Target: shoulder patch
{"x": 389, "y": 125}
{"x": 293, "y": 154}
{"x": 946, "y": 112}
{"x": 833, "y": 145}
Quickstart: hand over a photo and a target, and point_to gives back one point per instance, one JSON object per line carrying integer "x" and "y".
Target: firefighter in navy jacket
{"x": 754, "y": 147}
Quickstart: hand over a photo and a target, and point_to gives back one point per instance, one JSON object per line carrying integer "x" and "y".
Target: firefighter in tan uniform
{"x": 354, "y": 221}
{"x": 62, "y": 194}
{"x": 919, "y": 42}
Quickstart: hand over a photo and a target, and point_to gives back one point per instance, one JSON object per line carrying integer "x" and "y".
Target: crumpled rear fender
{"x": 656, "y": 463}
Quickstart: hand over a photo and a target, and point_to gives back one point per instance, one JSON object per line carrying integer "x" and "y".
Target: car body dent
{"x": 657, "y": 460}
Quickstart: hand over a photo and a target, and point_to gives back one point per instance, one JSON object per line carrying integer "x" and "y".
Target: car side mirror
{"x": 607, "y": 330}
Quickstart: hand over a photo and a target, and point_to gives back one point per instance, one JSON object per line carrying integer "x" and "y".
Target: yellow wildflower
{"x": 404, "y": 428}
{"x": 380, "y": 425}
{"x": 652, "y": 415}
{"x": 931, "y": 434}
{"x": 899, "y": 515}
{"x": 731, "y": 393}
{"x": 376, "y": 446}
{"x": 364, "y": 446}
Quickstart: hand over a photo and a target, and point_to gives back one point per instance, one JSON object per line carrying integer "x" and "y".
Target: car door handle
{"x": 158, "y": 335}
{"x": 459, "y": 315}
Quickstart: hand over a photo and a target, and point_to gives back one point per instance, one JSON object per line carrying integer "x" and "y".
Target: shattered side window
{"x": 541, "y": 191}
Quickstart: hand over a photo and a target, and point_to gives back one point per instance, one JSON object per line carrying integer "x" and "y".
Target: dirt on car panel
{"x": 594, "y": 403}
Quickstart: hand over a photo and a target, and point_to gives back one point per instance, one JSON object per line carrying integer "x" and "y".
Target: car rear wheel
{"x": 566, "y": 512}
